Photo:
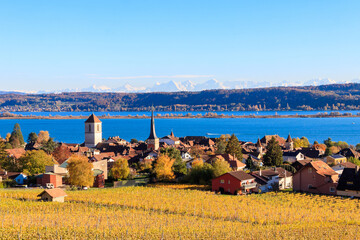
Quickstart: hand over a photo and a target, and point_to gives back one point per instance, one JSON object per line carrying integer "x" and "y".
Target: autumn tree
{"x": 61, "y": 153}
{"x": 16, "y": 138}
{"x": 220, "y": 167}
{"x": 80, "y": 171}
{"x": 233, "y": 147}
{"x": 43, "y": 137}
{"x": 196, "y": 151}
{"x": 163, "y": 168}
{"x": 120, "y": 169}
{"x": 273, "y": 155}
{"x": 301, "y": 142}
{"x": 179, "y": 166}
{"x": 34, "y": 162}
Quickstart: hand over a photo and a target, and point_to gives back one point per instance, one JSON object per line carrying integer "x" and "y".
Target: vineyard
{"x": 171, "y": 213}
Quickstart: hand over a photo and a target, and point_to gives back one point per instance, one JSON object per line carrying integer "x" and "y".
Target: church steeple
{"x": 152, "y": 126}
{"x": 153, "y": 141}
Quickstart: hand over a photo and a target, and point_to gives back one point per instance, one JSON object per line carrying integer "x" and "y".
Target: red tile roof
{"x": 56, "y": 192}
{"x": 322, "y": 168}
{"x": 16, "y": 152}
{"x": 93, "y": 119}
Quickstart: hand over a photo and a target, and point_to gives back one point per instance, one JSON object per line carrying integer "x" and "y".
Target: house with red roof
{"x": 238, "y": 182}
{"x": 316, "y": 177}
{"x": 53, "y": 195}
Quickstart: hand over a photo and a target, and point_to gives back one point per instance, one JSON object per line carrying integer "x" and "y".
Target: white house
{"x": 269, "y": 178}
{"x": 292, "y": 157}
{"x": 186, "y": 156}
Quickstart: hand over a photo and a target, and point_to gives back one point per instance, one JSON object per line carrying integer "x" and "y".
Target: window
{"x": 228, "y": 181}
{"x": 89, "y": 128}
{"x": 98, "y": 127}
{"x": 222, "y": 181}
{"x": 310, "y": 170}
{"x": 310, "y": 186}
{"x": 332, "y": 189}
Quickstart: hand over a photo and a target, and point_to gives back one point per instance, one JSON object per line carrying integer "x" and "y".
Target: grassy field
{"x": 176, "y": 213}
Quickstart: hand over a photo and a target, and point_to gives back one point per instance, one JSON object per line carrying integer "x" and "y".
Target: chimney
{"x": 260, "y": 172}
{"x": 357, "y": 169}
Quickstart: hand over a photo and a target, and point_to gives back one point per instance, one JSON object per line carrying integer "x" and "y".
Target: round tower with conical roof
{"x": 93, "y": 131}
{"x": 289, "y": 144}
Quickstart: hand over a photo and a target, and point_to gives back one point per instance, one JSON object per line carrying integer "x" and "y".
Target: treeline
{"x": 326, "y": 97}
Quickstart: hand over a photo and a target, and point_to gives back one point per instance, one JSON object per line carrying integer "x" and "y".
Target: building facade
{"x": 93, "y": 131}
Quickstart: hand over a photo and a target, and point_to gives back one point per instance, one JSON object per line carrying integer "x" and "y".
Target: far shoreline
{"x": 188, "y": 116}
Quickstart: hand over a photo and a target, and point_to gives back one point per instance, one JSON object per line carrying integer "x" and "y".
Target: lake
{"x": 246, "y": 129}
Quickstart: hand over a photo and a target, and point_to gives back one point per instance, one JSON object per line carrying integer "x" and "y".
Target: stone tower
{"x": 289, "y": 144}
{"x": 93, "y": 131}
{"x": 259, "y": 147}
{"x": 153, "y": 140}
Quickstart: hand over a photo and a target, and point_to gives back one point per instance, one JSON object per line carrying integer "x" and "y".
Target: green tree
{"x": 354, "y": 161}
{"x": 16, "y": 139}
{"x": 342, "y": 144}
{"x": 34, "y": 162}
{"x": 32, "y": 138}
{"x": 273, "y": 155}
{"x": 49, "y": 146}
{"x": 233, "y": 147}
{"x": 328, "y": 142}
{"x": 3, "y": 154}
{"x": 357, "y": 146}
{"x": 328, "y": 151}
{"x": 201, "y": 173}
{"x": 249, "y": 163}
{"x": 80, "y": 171}
{"x": 121, "y": 169}
{"x": 134, "y": 140}
{"x": 221, "y": 143}
{"x": 220, "y": 167}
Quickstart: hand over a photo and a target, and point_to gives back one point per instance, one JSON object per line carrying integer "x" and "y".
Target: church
{"x": 93, "y": 131}
{"x": 153, "y": 142}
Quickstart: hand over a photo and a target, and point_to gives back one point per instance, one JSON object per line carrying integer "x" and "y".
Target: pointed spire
{"x": 289, "y": 139}
{"x": 258, "y": 143}
{"x": 152, "y": 126}
{"x": 172, "y": 133}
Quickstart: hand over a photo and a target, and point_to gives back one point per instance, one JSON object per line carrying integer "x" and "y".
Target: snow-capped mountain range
{"x": 175, "y": 86}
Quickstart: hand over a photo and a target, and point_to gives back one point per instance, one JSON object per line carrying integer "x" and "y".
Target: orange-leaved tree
{"x": 121, "y": 169}
{"x": 80, "y": 171}
{"x": 163, "y": 168}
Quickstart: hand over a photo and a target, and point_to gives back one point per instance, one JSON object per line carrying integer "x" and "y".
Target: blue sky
{"x": 73, "y": 44}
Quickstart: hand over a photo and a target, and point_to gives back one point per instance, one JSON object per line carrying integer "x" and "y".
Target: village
{"x": 226, "y": 164}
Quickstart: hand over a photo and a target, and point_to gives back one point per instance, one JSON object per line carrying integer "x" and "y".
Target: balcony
{"x": 248, "y": 186}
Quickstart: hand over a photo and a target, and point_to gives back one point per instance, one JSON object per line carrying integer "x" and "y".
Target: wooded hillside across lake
{"x": 325, "y": 97}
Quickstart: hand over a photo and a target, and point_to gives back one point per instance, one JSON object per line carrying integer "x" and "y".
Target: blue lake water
{"x": 246, "y": 129}
{"x": 236, "y": 113}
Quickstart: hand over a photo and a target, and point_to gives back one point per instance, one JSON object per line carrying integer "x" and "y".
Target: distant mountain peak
{"x": 188, "y": 85}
